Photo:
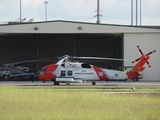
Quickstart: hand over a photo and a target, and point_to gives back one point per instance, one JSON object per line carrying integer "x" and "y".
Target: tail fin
{"x": 139, "y": 67}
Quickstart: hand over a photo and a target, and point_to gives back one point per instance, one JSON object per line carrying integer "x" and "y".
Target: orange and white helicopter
{"x": 66, "y": 71}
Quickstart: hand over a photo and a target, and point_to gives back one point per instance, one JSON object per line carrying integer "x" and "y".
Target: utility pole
{"x": 98, "y": 13}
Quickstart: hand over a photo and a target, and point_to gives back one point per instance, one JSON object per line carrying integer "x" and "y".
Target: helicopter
{"x": 67, "y": 71}
{"x": 17, "y": 70}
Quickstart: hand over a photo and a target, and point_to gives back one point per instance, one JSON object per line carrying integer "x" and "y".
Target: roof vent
{"x": 79, "y": 28}
{"x": 35, "y": 28}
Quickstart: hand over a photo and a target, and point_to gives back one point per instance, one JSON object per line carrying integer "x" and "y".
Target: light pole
{"x": 136, "y": 12}
{"x": 140, "y": 13}
{"x": 46, "y": 9}
{"x": 20, "y": 12}
{"x": 131, "y": 12}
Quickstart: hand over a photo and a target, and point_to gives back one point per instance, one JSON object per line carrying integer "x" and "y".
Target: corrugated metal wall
{"x": 147, "y": 43}
{"x": 17, "y": 47}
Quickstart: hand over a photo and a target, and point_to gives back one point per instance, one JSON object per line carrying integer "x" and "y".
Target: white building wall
{"x": 147, "y": 43}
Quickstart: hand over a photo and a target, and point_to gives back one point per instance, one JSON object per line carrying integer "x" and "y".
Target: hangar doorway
{"x": 22, "y": 47}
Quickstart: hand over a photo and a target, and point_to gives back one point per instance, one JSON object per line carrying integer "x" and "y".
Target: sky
{"x": 112, "y": 11}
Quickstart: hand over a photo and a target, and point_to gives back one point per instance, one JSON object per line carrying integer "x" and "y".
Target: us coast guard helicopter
{"x": 66, "y": 71}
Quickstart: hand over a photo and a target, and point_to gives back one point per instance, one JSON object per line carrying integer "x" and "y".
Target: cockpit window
{"x": 42, "y": 71}
{"x": 85, "y": 65}
{"x": 63, "y": 65}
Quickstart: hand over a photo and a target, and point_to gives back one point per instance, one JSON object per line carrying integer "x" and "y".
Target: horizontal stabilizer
{"x": 137, "y": 69}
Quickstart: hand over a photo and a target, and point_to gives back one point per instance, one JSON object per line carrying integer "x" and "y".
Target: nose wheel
{"x": 93, "y": 83}
{"x": 56, "y": 83}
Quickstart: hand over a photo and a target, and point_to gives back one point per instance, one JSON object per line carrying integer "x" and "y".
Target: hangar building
{"x": 38, "y": 40}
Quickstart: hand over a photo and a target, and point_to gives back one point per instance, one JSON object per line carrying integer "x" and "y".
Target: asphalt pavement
{"x": 99, "y": 84}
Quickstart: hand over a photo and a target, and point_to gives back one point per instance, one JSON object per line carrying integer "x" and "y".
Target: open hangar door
{"x": 22, "y": 47}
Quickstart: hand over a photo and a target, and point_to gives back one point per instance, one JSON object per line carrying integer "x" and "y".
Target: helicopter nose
{"x": 41, "y": 77}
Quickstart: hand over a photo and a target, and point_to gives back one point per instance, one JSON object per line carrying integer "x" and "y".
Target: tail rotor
{"x": 144, "y": 55}
{"x": 140, "y": 50}
{"x": 151, "y": 52}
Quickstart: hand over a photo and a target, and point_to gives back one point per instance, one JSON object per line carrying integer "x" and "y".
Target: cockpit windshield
{"x": 42, "y": 71}
{"x": 85, "y": 65}
{"x": 63, "y": 64}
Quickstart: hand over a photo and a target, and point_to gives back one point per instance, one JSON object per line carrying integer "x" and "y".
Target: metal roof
{"x": 69, "y": 27}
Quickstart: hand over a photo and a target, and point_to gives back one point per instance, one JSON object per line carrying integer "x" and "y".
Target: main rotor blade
{"x": 98, "y": 58}
{"x": 151, "y": 52}
{"x": 140, "y": 50}
{"x": 27, "y": 61}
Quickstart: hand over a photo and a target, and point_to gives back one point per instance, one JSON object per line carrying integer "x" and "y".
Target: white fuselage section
{"x": 85, "y": 72}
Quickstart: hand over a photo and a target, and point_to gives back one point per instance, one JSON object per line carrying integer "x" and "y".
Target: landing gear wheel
{"x": 93, "y": 83}
{"x": 135, "y": 79}
{"x": 6, "y": 77}
{"x": 56, "y": 83}
{"x": 67, "y": 83}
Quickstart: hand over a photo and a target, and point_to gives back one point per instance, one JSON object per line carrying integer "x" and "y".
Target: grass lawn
{"x": 20, "y": 103}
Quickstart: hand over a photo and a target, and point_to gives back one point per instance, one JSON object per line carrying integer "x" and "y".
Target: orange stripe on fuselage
{"x": 100, "y": 73}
